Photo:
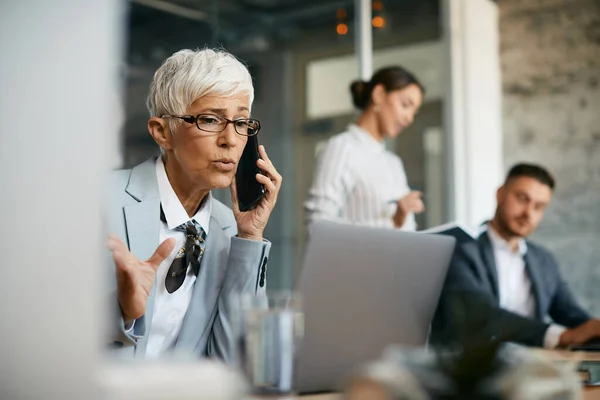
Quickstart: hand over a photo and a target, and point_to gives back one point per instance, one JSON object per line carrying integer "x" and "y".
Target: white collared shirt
{"x": 358, "y": 181}
{"x": 170, "y": 308}
{"x": 514, "y": 285}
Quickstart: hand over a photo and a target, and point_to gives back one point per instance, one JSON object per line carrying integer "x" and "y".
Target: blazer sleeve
{"x": 122, "y": 337}
{"x": 468, "y": 311}
{"x": 119, "y": 336}
{"x": 113, "y": 222}
{"x": 564, "y": 309}
{"x": 246, "y": 272}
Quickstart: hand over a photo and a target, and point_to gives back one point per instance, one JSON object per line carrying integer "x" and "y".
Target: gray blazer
{"x": 471, "y": 291}
{"x": 230, "y": 264}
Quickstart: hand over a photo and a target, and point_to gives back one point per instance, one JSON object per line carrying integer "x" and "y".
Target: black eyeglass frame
{"x": 193, "y": 119}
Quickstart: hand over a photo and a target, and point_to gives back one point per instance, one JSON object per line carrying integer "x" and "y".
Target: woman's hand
{"x": 411, "y": 203}
{"x": 135, "y": 277}
{"x": 251, "y": 224}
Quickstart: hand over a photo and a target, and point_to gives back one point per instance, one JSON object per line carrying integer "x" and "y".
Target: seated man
{"x": 503, "y": 287}
{"x": 177, "y": 251}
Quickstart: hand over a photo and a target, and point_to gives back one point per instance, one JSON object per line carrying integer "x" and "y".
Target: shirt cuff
{"x": 252, "y": 240}
{"x": 129, "y": 327}
{"x": 552, "y": 336}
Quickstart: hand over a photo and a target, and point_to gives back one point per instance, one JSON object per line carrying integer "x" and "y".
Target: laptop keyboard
{"x": 592, "y": 345}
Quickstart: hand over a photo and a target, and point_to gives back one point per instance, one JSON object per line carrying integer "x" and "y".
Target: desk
{"x": 589, "y": 392}
{"x": 565, "y": 355}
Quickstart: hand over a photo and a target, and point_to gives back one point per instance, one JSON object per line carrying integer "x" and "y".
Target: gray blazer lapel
{"x": 198, "y": 318}
{"x": 535, "y": 277}
{"x": 142, "y": 183}
{"x": 489, "y": 261}
{"x": 143, "y": 226}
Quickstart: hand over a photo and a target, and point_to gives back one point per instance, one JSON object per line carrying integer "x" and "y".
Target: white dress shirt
{"x": 170, "y": 308}
{"x": 357, "y": 181}
{"x": 514, "y": 285}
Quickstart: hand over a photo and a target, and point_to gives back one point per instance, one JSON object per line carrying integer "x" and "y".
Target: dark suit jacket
{"x": 470, "y": 298}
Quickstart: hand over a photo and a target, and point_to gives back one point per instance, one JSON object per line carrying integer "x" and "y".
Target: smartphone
{"x": 249, "y": 190}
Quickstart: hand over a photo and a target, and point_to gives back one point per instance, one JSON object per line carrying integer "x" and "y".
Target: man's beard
{"x": 504, "y": 226}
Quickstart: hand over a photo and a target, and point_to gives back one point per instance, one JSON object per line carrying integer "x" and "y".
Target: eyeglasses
{"x": 216, "y": 123}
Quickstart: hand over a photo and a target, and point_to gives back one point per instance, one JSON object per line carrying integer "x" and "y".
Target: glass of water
{"x": 269, "y": 329}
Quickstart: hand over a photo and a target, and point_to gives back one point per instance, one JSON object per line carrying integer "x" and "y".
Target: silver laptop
{"x": 364, "y": 289}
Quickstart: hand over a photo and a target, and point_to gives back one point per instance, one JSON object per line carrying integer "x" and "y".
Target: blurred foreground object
{"x": 268, "y": 329}
{"x": 185, "y": 380}
{"x": 512, "y": 372}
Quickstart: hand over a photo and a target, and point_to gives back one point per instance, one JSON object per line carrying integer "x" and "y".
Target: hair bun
{"x": 360, "y": 95}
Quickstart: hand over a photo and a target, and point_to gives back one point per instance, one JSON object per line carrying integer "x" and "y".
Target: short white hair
{"x": 189, "y": 75}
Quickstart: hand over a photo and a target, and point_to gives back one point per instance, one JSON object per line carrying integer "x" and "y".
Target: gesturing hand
{"x": 251, "y": 224}
{"x": 411, "y": 203}
{"x": 134, "y": 277}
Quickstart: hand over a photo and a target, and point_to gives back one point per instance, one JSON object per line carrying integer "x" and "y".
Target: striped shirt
{"x": 357, "y": 181}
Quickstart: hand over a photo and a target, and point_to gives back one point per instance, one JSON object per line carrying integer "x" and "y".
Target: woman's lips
{"x": 224, "y": 164}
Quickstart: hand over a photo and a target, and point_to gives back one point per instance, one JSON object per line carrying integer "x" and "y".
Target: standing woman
{"x": 356, "y": 179}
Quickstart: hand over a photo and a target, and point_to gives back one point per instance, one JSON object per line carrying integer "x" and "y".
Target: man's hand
{"x": 580, "y": 334}
{"x": 134, "y": 277}
{"x": 411, "y": 203}
{"x": 251, "y": 224}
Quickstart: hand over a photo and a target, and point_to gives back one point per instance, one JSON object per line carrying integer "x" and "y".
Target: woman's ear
{"x": 159, "y": 130}
{"x": 378, "y": 95}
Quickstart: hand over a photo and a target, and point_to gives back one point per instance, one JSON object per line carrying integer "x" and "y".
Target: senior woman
{"x": 178, "y": 252}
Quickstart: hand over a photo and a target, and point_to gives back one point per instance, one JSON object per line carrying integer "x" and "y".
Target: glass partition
{"x": 302, "y": 57}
